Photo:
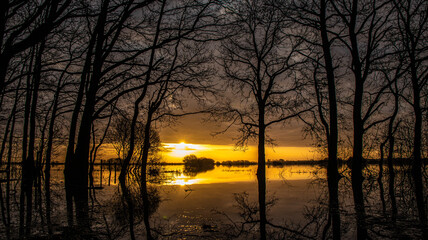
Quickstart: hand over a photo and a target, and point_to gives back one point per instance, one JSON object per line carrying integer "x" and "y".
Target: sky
{"x": 196, "y": 137}
{"x": 193, "y": 135}
{"x": 195, "y": 129}
{"x": 176, "y": 152}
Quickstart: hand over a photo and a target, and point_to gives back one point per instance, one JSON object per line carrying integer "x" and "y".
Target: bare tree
{"x": 97, "y": 77}
{"x": 171, "y": 68}
{"x": 23, "y": 24}
{"x": 28, "y": 167}
{"x": 318, "y": 18}
{"x": 411, "y": 23}
{"x": 258, "y": 62}
{"x": 119, "y": 135}
{"x": 363, "y": 29}
{"x": 8, "y": 139}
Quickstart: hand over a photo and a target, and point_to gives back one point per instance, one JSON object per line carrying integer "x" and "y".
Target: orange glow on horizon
{"x": 175, "y": 152}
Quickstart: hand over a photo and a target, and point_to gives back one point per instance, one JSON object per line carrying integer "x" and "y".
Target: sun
{"x": 179, "y": 150}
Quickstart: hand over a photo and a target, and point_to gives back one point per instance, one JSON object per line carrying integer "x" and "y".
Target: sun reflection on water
{"x": 223, "y": 174}
{"x": 182, "y": 180}
{"x": 176, "y": 175}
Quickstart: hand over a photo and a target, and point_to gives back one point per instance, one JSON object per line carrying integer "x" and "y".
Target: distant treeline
{"x": 275, "y": 162}
{"x": 395, "y": 161}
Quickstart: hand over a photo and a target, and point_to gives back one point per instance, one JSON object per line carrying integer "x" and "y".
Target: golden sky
{"x": 194, "y": 129}
{"x": 176, "y": 151}
{"x": 192, "y": 135}
{"x": 196, "y": 136}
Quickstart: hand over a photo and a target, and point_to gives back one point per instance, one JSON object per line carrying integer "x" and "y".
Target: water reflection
{"x": 192, "y": 171}
{"x": 181, "y": 175}
{"x": 236, "y": 174}
{"x": 221, "y": 202}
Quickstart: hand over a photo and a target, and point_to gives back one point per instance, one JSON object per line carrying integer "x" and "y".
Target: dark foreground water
{"x": 221, "y": 203}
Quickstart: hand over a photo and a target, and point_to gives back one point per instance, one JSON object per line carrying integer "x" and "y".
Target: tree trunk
{"x": 79, "y": 170}
{"x": 26, "y": 178}
{"x": 48, "y": 159}
{"x": 391, "y": 187}
{"x": 144, "y": 160}
{"x": 91, "y": 167}
{"x": 391, "y": 139}
{"x": 3, "y": 147}
{"x": 72, "y": 137}
{"x": 417, "y": 158}
{"x": 358, "y": 124}
{"x": 4, "y": 9}
{"x": 261, "y": 173}
{"x": 38, "y": 173}
{"x": 79, "y": 164}
{"x": 73, "y": 126}
{"x": 125, "y": 165}
{"x": 32, "y": 136}
{"x": 9, "y": 160}
{"x": 4, "y": 63}
{"x": 357, "y": 163}
{"x": 380, "y": 178}
{"x": 130, "y": 208}
{"x": 6, "y": 132}
{"x": 417, "y": 162}
{"x": 332, "y": 136}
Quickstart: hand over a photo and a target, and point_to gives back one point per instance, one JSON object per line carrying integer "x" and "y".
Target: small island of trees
{"x": 194, "y": 165}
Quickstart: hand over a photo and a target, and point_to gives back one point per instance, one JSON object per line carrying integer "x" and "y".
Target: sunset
{"x": 174, "y": 152}
{"x": 179, "y": 150}
{"x": 213, "y": 119}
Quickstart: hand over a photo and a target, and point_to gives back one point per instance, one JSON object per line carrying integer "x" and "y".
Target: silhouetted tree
{"x": 411, "y": 22}
{"x": 391, "y": 142}
{"x": 82, "y": 65}
{"x": 8, "y": 138}
{"x": 317, "y": 17}
{"x": 97, "y": 78}
{"x": 23, "y": 24}
{"x": 392, "y": 72}
{"x": 258, "y": 62}
{"x": 119, "y": 135}
{"x": 362, "y": 31}
{"x": 28, "y": 168}
{"x": 172, "y": 65}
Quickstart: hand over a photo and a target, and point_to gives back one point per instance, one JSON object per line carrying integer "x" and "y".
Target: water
{"x": 189, "y": 201}
{"x": 216, "y": 203}
{"x": 216, "y": 189}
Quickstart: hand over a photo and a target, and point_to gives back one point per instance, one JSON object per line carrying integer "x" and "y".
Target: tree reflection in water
{"x": 128, "y": 205}
{"x": 381, "y": 223}
{"x": 223, "y": 210}
{"x": 192, "y": 171}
